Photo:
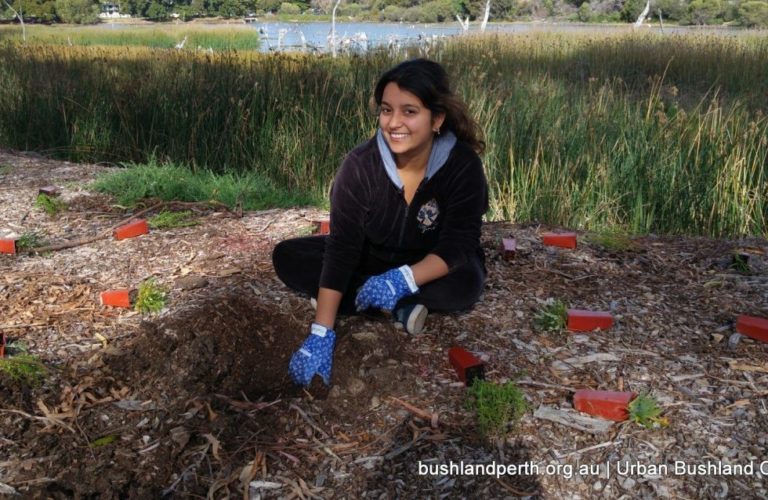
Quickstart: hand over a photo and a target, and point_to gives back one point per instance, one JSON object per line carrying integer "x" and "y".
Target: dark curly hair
{"x": 428, "y": 81}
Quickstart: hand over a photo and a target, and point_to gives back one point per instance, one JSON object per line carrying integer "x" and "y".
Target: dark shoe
{"x": 411, "y": 318}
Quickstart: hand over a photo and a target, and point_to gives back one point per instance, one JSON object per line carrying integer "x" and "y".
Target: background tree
{"x": 232, "y": 8}
{"x": 156, "y": 10}
{"x": 31, "y": 10}
{"x": 290, "y": 9}
{"x": 753, "y": 14}
{"x": 77, "y": 11}
{"x": 704, "y": 11}
{"x": 673, "y": 10}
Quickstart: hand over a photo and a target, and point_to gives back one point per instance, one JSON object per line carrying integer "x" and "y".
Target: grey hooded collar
{"x": 441, "y": 149}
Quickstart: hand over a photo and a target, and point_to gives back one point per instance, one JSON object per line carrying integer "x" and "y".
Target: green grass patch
{"x": 498, "y": 407}
{"x": 103, "y": 441}
{"x": 151, "y": 298}
{"x": 611, "y": 240}
{"x": 644, "y": 410}
{"x": 168, "y": 220}
{"x": 171, "y": 182}
{"x": 50, "y": 204}
{"x": 29, "y": 240}
{"x": 24, "y": 368}
{"x": 553, "y": 316}
{"x": 740, "y": 263}
{"x": 5, "y": 169}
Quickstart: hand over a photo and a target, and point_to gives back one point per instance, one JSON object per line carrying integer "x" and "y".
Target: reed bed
{"x": 664, "y": 134}
{"x": 204, "y": 38}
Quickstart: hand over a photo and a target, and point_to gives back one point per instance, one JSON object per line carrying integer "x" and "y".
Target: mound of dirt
{"x": 209, "y": 375}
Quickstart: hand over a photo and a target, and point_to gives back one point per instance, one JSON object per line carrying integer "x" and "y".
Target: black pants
{"x": 299, "y": 261}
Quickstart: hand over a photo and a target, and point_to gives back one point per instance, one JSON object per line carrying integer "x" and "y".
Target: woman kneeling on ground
{"x": 406, "y": 213}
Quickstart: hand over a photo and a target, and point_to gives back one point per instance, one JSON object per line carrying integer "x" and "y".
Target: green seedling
{"x": 553, "y": 316}
{"x": 103, "y": 441}
{"x": 740, "y": 263}
{"x": 52, "y": 206}
{"x": 646, "y": 411}
{"x": 611, "y": 240}
{"x": 498, "y": 407}
{"x": 151, "y": 297}
{"x": 306, "y": 231}
{"x": 168, "y": 220}
{"x": 24, "y": 369}
{"x": 28, "y": 240}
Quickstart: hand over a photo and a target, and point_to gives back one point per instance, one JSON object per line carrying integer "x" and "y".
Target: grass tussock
{"x": 498, "y": 407}
{"x": 50, "y": 204}
{"x": 170, "y": 220}
{"x": 652, "y": 133}
{"x": 614, "y": 240}
{"x": 644, "y": 410}
{"x": 553, "y": 316}
{"x": 151, "y": 297}
{"x": 29, "y": 240}
{"x": 23, "y": 368}
{"x": 175, "y": 182}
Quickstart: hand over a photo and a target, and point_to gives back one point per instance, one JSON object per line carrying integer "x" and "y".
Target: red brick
{"x": 564, "y": 240}
{"x": 7, "y": 246}
{"x": 752, "y": 326}
{"x": 586, "y": 321}
{"x": 132, "y": 229}
{"x": 611, "y": 405}
{"x": 322, "y": 226}
{"x": 116, "y": 298}
{"x": 508, "y": 248}
{"x": 468, "y": 367}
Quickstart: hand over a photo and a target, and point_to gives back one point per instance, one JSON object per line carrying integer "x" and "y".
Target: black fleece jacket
{"x": 373, "y": 228}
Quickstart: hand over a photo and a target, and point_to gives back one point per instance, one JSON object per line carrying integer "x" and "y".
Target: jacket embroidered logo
{"x": 427, "y": 216}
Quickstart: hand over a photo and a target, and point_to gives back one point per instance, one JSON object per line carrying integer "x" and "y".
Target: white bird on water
{"x": 180, "y": 45}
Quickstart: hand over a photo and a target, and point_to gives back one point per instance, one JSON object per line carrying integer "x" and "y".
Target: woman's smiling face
{"x": 408, "y": 125}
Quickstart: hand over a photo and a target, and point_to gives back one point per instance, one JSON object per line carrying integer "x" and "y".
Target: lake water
{"x": 358, "y": 37}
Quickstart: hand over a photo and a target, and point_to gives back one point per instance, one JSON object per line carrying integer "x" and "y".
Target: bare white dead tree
{"x": 661, "y": 20}
{"x": 464, "y": 23}
{"x": 21, "y": 20}
{"x": 333, "y": 27}
{"x": 486, "y": 15}
{"x": 643, "y": 14}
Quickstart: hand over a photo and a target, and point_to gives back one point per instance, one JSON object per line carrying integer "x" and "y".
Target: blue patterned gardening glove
{"x": 385, "y": 290}
{"x": 315, "y": 356}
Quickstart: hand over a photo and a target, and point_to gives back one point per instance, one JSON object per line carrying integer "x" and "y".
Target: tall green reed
{"x": 233, "y": 37}
{"x": 663, "y": 134}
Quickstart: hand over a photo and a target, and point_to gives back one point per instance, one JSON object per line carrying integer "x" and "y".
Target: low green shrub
{"x": 151, "y": 298}
{"x": 498, "y": 407}
{"x": 553, "y": 316}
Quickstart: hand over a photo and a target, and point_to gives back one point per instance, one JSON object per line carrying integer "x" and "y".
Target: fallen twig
{"x": 309, "y": 421}
{"x": 588, "y": 448}
{"x": 47, "y": 420}
{"x": 515, "y": 491}
{"x": 27, "y": 325}
{"x": 423, "y": 414}
{"x": 107, "y": 232}
{"x": 548, "y": 386}
{"x": 246, "y": 405}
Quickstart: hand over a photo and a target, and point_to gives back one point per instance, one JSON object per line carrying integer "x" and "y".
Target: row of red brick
{"x": 129, "y": 230}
